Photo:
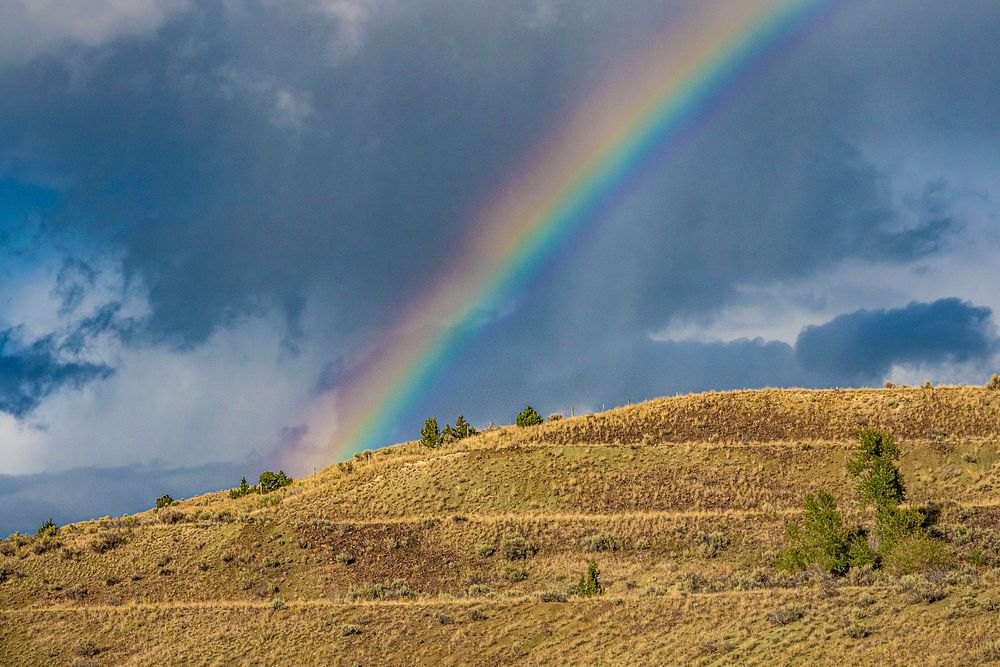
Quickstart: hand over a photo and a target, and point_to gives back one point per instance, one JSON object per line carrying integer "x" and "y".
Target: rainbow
{"x": 640, "y": 112}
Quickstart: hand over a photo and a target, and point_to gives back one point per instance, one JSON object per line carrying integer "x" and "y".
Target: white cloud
{"x": 228, "y": 399}
{"x": 29, "y": 28}
{"x": 285, "y": 107}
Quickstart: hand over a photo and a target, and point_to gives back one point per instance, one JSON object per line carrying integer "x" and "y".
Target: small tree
{"x": 880, "y": 485}
{"x": 878, "y": 480}
{"x": 272, "y": 481}
{"x": 448, "y": 434}
{"x": 463, "y": 429}
{"x": 819, "y": 539}
{"x": 243, "y": 490}
{"x": 47, "y": 529}
{"x": 528, "y": 417}
{"x": 590, "y": 583}
{"x": 430, "y": 435}
{"x": 164, "y": 501}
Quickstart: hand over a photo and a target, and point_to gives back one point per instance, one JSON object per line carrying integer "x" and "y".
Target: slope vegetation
{"x": 469, "y": 553}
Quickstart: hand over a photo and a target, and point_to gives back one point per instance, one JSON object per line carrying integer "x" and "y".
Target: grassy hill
{"x": 469, "y": 553}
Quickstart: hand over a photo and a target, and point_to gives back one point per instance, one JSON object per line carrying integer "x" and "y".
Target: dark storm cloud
{"x": 863, "y": 346}
{"x": 249, "y": 158}
{"x": 241, "y": 166}
{"x": 29, "y": 374}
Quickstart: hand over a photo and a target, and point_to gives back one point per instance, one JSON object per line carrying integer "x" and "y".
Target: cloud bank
{"x": 209, "y": 210}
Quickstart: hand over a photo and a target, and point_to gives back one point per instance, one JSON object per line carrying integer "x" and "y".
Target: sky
{"x": 208, "y": 212}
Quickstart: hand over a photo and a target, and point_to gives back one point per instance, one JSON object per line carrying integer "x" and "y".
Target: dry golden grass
{"x": 682, "y": 502}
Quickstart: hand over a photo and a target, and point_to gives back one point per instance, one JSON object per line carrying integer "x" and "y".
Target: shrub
{"x": 990, "y": 649}
{"x": 893, "y": 524}
{"x": 860, "y": 554}
{"x": 87, "y": 649}
{"x": 555, "y": 416}
{"x": 47, "y": 529}
{"x": 485, "y": 549}
{"x": 785, "y": 615}
{"x": 590, "y": 583}
{"x": 710, "y": 544}
{"x": 348, "y": 629}
{"x": 919, "y": 552}
{"x": 528, "y": 417}
{"x": 856, "y": 631}
{"x": 977, "y": 557}
{"x": 513, "y": 573}
{"x": 396, "y": 589}
{"x": 819, "y": 539}
{"x": 7, "y": 548}
{"x": 478, "y": 590}
{"x": 551, "y": 596}
{"x": 994, "y": 383}
{"x": 515, "y": 547}
{"x": 164, "y": 501}
{"x": 172, "y": 516}
{"x": 601, "y": 542}
{"x": 45, "y": 544}
{"x": 107, "y": 541}
{"x": 919, "y": 590}
{"x": 345, "y": 558}
{"x": 75, "y": 592}
{"x": 430, "y": 435}
{"x": 243, "y": 490}
{"x": 272, "y": 481}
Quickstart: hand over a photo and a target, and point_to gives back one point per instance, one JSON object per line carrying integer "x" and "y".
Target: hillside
{"x": 468, "y": 553}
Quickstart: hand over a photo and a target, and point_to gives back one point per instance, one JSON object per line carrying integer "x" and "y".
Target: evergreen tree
{"x": 879, "y": 482}
{"x": 430, "y": 435}
{"x": 463, "y": 429}
{"x": 528, "y": 417}
{"x": 590, "y": 583}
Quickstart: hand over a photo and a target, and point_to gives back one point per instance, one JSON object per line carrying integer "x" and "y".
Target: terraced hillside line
{"x": 872, "y": 627}
{"x": 439, "y": 601}
{"x": 572, "y": 479}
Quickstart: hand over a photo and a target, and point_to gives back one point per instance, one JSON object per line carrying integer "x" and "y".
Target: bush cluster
{"x": 432, "y": 436}
{"x": 266, "y": 483}
{"x": 396, "y": 589}
{"x": 898, "y": 539}
{"x": 515, "y": 547}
